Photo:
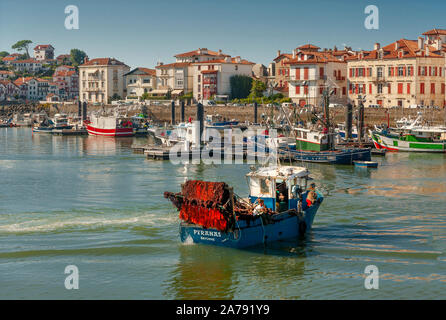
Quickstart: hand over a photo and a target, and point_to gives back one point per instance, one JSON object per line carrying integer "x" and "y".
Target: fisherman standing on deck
{"x": 311, "y": 195}
{"x": 260, "y": 208}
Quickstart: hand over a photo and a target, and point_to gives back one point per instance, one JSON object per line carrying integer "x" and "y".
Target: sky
{"x": 141, "y": 33}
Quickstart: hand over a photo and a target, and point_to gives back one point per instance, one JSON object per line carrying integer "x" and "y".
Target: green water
{"x": 91, "y": 202}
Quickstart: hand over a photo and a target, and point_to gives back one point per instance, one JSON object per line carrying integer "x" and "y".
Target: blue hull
{"x": 252, "y": 233}
{"x": 345, "y": 156}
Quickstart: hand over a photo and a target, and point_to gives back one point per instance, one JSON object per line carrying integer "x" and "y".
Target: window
{"x": 380, "y": 88}
{"x": 433, "y": 88}
{"x": 401, "y": 71}
{"x": 422, "y": 88}
{"x": 400, "y": 88}
{"x": 297, "y": 73}
{"x": 306, "y": 73}
{"x": 379, "y": 72}
{"x": 389, "y": 88}
{"x": 408, "y": 88}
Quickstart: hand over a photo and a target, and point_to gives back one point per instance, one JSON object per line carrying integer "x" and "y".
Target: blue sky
{"x": 140, "y": 33}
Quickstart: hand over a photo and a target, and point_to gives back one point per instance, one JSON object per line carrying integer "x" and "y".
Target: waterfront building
{"x": 403, "y": 73}
{"x": 67, "y": 81}
{"x": 43, "y": 52}
{"x": 279, "y": 72}
{"x": 211, "y": 79}
{"x": 178, "y": 77}
{"x": 139, "y": 81}
{"x": 102, "y": 78}
{"x": 311, "y": 71}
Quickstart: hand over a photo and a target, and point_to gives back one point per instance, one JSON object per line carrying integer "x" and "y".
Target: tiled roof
{"x": 174, "y": 65}
{"x": 10, "y": 58}
{"x": 196, "y": 53}
{"x": 283, "y": 55}
{"x": 233, "y": 60}
{"x": 314, "y": 57}
{"x": 42, "y": 46}
{"x": 22, "y": 80}
{"x": 434, "y": 32}
{"x": 308, "y": 46}
{"x": 408, "y": 47}
{"x": 6, "y": 72}
{"x": 150, "y": 72}
{"x": 102, "y": 62}
{"x": 6, "y": 82}
{"x": 27, "y": 61}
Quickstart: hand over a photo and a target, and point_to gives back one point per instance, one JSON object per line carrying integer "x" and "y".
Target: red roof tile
{"x": 102, "y": 62}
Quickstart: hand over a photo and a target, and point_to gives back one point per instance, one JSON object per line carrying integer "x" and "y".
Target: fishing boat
{"x": 341, "y": 131}
{"x": 415, "y": 136}
{"x": 366, "y": 164}
{"x": 211, "y": 213}
{"x": 110, "y": 126}
{"x": 314, "y": 145}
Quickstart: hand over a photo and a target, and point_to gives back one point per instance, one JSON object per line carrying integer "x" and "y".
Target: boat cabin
{"x": 312, "y": 140}
{"x": 269, "y": 182}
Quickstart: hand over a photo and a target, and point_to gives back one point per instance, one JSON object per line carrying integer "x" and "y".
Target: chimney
{"x": 397, "y": 45}
{"x": 439, "y": 44}
{"x": 86, "y": 59}
{"x": 237, "y": 59}
{"x": 294, "y": 53}
{"x": 219, "y": 52}
{"x": 427, "y": 51}
{"x": 377, "y": 46}
{"x": 420, "y": 43}
{"x": 278, "y": 52}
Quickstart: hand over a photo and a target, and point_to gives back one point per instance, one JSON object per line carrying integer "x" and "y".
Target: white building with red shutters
{"x": 312, "y": 71}
{"x": 212, "y": 78}
{"x": 403, "y": 73}
{"x": 44, "y": 52}
{"x": 67, "y": 82}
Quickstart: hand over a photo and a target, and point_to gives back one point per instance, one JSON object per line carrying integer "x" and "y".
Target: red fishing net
{"x": 205, "y": 191}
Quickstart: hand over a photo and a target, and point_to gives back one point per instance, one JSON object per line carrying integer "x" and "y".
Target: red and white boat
{"x": 110, "y": 126}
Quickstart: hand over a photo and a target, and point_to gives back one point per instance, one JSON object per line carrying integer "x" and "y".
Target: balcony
{"x": 310, "y": 78}
{"x": 379, "y": 79}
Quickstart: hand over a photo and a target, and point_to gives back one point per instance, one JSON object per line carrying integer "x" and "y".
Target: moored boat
{"x": 279, "y": 207}
{"x": 409, "y": 141}
{"x": 110, "y": 126}
{"x": 366, "y": 164}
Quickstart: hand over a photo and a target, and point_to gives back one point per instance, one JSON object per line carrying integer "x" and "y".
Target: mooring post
{"x": 182, "y": 111}
{"x": 173, "y": 113}
{"x": 361, "y": 121}
{"x": 79, "y": 109}
{"x": 200, "y": 115}
{"x": 348, "y": 122}
{"x": 255, "y": 112}
{"x": 84, "y": 111}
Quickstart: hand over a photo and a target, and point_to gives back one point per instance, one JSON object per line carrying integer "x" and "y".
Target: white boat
{"x": 110, "y": 126}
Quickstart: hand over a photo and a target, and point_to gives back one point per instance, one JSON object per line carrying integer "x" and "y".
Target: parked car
{"x": 208, "y": 103}
{"x": 374, "y": 106}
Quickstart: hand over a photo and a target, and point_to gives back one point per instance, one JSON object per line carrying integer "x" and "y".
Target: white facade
{"x": 100, "y": 79}
{"x": 213, "y": 77}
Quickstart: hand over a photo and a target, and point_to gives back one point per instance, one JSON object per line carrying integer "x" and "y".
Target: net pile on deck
{"x": 207, "y": 204}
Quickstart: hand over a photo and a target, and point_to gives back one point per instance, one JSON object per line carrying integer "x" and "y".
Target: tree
{"x": 257, "y": 89}
{"x": 77, "y": 57}
{"x": 240, "y": 86}
{"x": 22, "y": 45}
{"x": 3, "y": 54}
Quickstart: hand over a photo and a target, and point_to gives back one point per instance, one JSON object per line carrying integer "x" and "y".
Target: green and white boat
{"x": 412, "y": 138}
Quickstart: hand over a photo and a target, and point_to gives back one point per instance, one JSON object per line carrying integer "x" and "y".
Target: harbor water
{"x": 91, "y": 202}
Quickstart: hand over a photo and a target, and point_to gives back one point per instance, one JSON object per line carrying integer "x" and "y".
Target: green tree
{"x": 77, "y": 57}
{"x": 257, "y": 89}
{"x": 3, "y": 54}
{"x": 22, "y": 45}
{"x": 240, "y": 86}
